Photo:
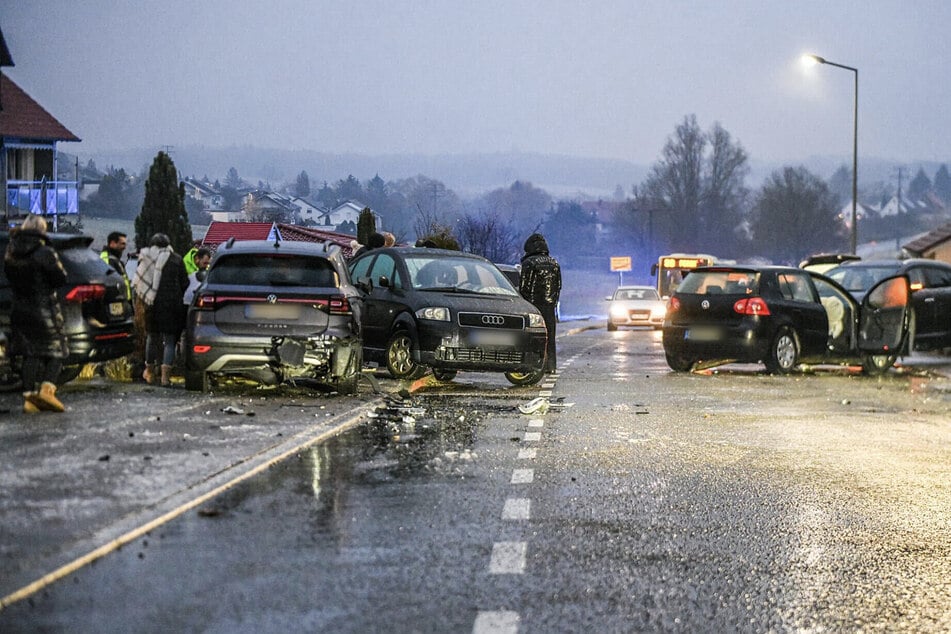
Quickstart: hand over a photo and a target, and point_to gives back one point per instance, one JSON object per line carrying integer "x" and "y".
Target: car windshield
{"x": 858, "y": 279}
{"x": 636, "y": 293}
{"x": 719, "y": 282}
{"x": 258, "y": 269}
{"x": 454, "y": 273}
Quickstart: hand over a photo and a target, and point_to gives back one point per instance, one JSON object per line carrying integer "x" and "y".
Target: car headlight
{"x": 434, "y": 313}
{"x": 535, "y": 321}
{"x": 618, "y": 311}
{"x": 659, "y": 311}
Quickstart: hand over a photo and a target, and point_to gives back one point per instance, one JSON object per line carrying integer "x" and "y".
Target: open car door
{"x": 883, "y": 319}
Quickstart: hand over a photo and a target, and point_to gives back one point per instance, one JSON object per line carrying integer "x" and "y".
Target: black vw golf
{"x": 782, "y": 317}
{"x": 446, "y": 310}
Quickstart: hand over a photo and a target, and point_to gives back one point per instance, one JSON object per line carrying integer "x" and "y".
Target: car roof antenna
{"x": 229, "y": 243}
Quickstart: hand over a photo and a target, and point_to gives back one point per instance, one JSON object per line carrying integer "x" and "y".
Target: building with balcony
{"x": 28, "y": 156}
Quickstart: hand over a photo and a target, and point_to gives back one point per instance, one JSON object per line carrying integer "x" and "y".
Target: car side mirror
{"x": 365, "y": 284}
{"x": 607, "y": 298}
{"x": 384, "y": 281}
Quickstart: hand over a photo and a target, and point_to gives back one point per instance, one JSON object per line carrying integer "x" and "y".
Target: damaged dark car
{"x": 275, "y": 312}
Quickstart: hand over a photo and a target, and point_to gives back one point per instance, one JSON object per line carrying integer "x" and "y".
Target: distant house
{"x": 28, "y": 156}
{"x": 934, "y": 245}
{"x": 307, "y": 212}
{"x": 348, "y": 211}
{"x": 261, "y": 204}
{"x": 220, "y": 232}
{"x": 206, "y": 193}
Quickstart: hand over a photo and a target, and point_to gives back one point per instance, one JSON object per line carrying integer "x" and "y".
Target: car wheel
{"x": 399, "y": 357}
{"x": 877, "y": 364}
{"x": 444, "y": 375}
{"x": 196, "y": 381}
{"x": 525, "y": 378}
{"x": 611, "y": 327}
{"x": 678, "y": 362}
{"x": 783, "y": 353}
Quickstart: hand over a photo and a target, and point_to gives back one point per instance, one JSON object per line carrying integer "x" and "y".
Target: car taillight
{"x": 85, "y": 293}
{"x": 205, "y": 302}
{"x": 751, "y": 306}
{"x": 673, "y": 305}
{"x": 200, "y": 349}
{"x": 338, "y": 305}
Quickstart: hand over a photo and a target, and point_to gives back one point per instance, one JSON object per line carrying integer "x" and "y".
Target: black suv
{"x": 449, "y": 311}
{"x": 275, "y": 312}
{"x": 96, "y": 311}
{"x": 930, "y": 294}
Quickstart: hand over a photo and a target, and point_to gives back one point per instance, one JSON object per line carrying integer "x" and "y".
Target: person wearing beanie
{"x": 540, "y": 284}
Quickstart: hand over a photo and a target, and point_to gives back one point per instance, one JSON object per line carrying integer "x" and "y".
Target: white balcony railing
{"x": 42, "y": 197}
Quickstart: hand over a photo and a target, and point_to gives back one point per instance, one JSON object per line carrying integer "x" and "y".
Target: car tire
{"x": 783, "y": 352}
{"x": 444, "y": 375}
{"x": 679, "y": 363}
{"x": 525, "y": 378}
{"x": 196, "y": 381}
{"x": 877, "y": 364}
{"x": 611, "y": 327}
{"x": 399, "y": 357}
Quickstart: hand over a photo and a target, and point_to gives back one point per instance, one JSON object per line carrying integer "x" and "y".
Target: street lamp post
{"x": 853, "y": 238}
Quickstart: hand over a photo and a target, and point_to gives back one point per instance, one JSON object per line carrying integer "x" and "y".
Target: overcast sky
{"x": 596, "y": 79}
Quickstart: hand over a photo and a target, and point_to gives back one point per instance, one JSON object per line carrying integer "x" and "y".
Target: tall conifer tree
{"x": 163, "y": 210}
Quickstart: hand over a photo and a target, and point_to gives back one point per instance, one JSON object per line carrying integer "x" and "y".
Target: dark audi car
{"x": 97, "y": 313}
{"x": 782, "y": 317}
{"x": 275, "y": 312}
{"x": 930, "y": 294}
{"x": 449, "y": 311}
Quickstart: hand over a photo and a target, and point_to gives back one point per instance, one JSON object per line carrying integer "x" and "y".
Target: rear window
{"x": 636, "y": 293}
{"x": 719, "y": 282}
{"x": 255, "y": 269}
{"x": 84, "y": 265}
{"x": 862, "y": 278}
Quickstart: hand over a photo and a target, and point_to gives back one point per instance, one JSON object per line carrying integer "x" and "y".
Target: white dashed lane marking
{"x": 527, "y": 454}
{"x": 536, "y": 422}
{"x": 523, "y": 476}
{"x": 533, "y": 436}
{"x": 508, "y": 558}
{"x": 500, "y": 622}
{"x": 517, "y": 509}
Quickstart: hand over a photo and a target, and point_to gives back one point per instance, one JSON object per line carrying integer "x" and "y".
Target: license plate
{"x": 702, "y": 334}
{"x": 272, "y": 311}
{"x": 115, "y": 309}
{"x": 492, "y": 338}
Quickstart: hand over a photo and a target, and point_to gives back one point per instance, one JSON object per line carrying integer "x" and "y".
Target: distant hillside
{"x": 467, "y": 174}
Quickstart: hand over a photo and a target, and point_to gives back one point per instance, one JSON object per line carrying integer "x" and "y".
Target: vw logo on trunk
{"x": 272, "y": 299}
{"x": 705, "y": 304}
{"x": 493, "y": 320}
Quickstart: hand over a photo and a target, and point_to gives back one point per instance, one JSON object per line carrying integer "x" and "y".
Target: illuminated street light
{"x": 815, "y": 59}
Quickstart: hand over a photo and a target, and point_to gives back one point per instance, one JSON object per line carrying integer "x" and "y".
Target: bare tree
{"x": 488, "y": 235}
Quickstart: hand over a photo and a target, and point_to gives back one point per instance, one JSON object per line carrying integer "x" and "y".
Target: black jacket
{"x": 167, "y": 313}
{"x": 36, "y": 319}
{"x": 540, "y": 281}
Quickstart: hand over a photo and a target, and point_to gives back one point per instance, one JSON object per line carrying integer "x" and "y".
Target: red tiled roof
{"x": 220, "y": 232}
{"x": 310, "y": 234}
{"x": 23, "y": 118}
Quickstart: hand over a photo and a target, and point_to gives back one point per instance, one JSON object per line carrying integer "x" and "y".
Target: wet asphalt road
{"x": 728, "y": 500}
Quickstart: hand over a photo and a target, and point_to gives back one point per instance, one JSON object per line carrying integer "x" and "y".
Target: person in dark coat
{"x": 160, "y": 282}
{"x": 36, "y": 320}
{"x": 540, "y": 284}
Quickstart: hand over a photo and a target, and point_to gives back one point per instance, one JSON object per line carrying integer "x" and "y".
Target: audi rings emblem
{"x": 272, "y": 299}
{"x": 493, "y": 320}
{"x": 705, "y": 304}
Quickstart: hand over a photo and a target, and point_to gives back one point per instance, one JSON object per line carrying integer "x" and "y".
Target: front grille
{"x": 640, "y": 314}
{"x": 492, "y": 320}
{"x": 495, "y": 356}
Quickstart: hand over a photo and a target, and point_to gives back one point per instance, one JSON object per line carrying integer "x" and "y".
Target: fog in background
{"x": 605, "y": 79}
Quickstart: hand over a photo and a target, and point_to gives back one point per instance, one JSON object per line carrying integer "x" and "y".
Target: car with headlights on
{"x": 97, "y": 311}
{"x": 275, "y": 312}
{"x": 930, "y": 294}
{"x": 783, "y": 317}
{"x": 447, "y": 311}
{"x": 636, "y": 306}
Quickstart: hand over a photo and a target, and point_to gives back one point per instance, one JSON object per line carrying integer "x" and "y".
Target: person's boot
{"x": 166, "y": 375}
{"x": 46, "y": 399}
{"x": 149, "y": 373}
{"x": 28, "y": 406}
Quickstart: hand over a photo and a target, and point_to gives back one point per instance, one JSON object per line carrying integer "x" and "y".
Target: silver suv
{"x": 275, "y": 312}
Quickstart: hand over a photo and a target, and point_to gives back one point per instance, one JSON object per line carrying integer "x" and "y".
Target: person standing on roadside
{"x": 540, "y": 284}
{"x": 195, "y": 278}
{"x": 160, "y": 282}
{"x": 36, "y": 319}
{"x": 112, "y": 255}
